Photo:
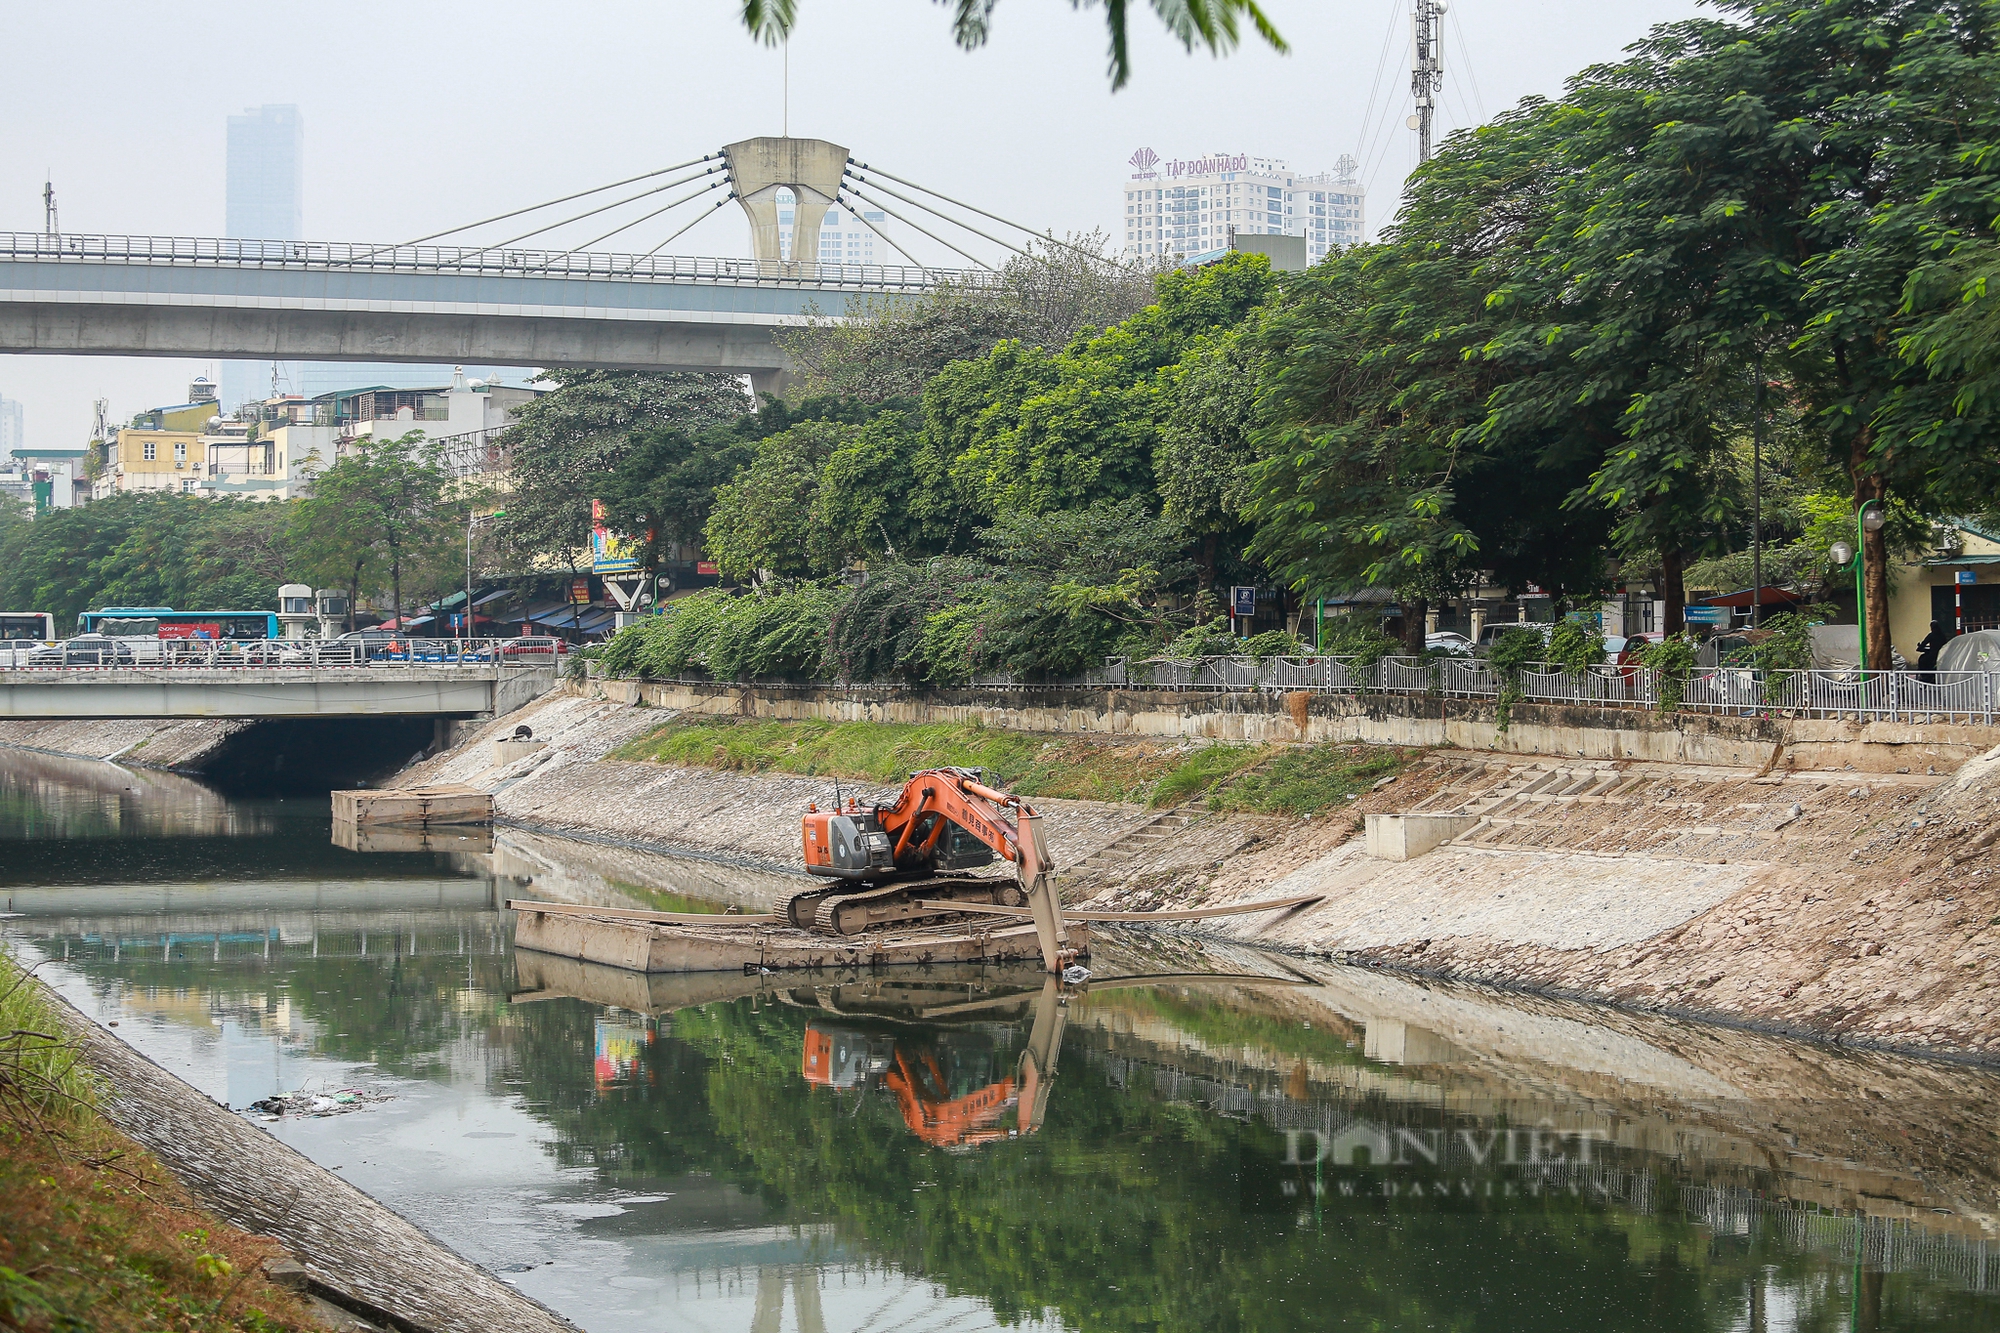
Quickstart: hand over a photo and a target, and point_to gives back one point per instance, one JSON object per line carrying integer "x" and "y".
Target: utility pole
{"x": 49, "y": 226}
{"x": 1426, "y": 69}
{"x": 1757, "y": 499}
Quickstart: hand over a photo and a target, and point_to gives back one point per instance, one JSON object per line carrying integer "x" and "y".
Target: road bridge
{"x": 441, "y": 691}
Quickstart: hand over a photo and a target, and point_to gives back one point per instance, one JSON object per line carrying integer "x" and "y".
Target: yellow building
{"x": 1955, "y": 582}
{"x": 157, "y": 460}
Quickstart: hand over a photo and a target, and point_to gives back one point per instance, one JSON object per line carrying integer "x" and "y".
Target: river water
{"x": 1203, "y": 1138}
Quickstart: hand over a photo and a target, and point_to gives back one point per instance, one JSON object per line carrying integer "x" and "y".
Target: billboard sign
{"x": 610, "y": 552}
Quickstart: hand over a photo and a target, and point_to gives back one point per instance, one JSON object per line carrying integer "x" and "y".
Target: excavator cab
{"x": 848, "y": 844}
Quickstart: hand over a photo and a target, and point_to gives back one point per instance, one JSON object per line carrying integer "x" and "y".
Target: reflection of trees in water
{"x": 1126, "y": 1211}
{"x": 402, "y": 1013}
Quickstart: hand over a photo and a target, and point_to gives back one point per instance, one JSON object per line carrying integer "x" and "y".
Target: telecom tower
{"x": 1426, "y": 69}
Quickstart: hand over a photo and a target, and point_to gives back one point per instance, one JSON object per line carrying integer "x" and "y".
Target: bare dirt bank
{"x": 1856, "y": 905}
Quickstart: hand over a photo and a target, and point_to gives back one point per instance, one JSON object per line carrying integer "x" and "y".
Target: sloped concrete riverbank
{"x": 1861, "y": 906}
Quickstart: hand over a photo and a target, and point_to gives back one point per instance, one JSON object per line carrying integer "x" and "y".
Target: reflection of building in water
{"x": 620, "y": 1041}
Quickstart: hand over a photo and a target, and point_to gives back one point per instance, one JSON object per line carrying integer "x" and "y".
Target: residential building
{"x": 1955, "y": 581}
{"x": 264, "y": 200}
{"x": 181, "y": 417}
{"x": 265, "y": 454}
{"x": 1192, "y": 207}
{"x": 845, "y": 237}
{"x": 63, "y": 471}
{"x": 320, "y": 378}
{"x": 13, "y": 426}
{"x": 465, "y": 411}
{"x": 146, "y": 458}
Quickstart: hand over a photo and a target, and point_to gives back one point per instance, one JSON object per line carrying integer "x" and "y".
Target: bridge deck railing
{"x": 244, "y": 654}
{"x": 589, "y": 264}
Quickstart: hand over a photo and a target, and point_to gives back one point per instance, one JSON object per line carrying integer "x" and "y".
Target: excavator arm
{"x": 902, "y": 839}
{"x": 957, "y": 795}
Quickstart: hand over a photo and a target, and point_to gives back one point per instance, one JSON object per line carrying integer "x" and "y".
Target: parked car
{"x": 1447, "y": 641}
{"x": 1491, "y": 632}
{"x": 93, "y": 650}
{"x": 530, "y": 648}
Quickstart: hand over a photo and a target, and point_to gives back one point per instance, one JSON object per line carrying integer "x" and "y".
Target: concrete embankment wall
{"x": 1566, "y": 731}
{"x": 135, "y": 741}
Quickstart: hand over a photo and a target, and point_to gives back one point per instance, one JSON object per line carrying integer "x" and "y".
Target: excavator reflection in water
{"x": 948, "y": 1083}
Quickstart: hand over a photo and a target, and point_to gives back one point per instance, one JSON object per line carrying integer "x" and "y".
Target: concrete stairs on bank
{"x": 1116, "y": 860}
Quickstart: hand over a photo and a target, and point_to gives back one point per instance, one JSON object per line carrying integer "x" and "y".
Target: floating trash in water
{"x": 317, "y": 1104}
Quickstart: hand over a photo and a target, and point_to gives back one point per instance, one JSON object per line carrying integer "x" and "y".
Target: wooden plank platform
{"x": 727, "y": 946}
{"x": 419, "y": 807}
{"x": 904, "y": 994}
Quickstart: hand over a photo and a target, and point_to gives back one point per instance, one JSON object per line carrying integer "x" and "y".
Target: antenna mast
{"x": 49, "y": 226}
{"x": 1426, "y": 69}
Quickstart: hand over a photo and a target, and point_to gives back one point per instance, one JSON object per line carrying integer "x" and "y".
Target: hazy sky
{"x": 422, "y": 115}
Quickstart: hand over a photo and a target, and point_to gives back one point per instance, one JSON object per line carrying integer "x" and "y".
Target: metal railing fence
{"x": 1963, "y": 696}
{"x": 242, "y": 654}
{"x": 337, "y": 255}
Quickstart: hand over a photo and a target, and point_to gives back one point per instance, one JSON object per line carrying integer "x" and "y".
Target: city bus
{"x": 27, "y": 627}
{"x": 163, "y": 622}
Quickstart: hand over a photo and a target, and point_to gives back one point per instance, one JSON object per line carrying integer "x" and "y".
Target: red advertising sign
{"x": 705, "y": 567}
{"x": 579, "y": 592}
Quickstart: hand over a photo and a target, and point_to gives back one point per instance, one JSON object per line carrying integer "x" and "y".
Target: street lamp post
{"x": 472, "y": 519}
{"x": 1868, "y": 518}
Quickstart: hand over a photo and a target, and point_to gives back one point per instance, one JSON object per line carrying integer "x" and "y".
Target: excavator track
{"x": 850, "y": 913}
{"x": 801, "y": 908}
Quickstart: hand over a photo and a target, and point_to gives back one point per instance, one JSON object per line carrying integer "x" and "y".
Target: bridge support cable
{"x": 855, "y": 190}
{"x": 918, "y": 203}
{"x": 587, "y": 213}
{"x": 973, "y": 208}
{"x": 683, "y": 231}
{"x": 843, "y": 198}
{"x": 627, "y": 226}
{"x": 547, "y": 203}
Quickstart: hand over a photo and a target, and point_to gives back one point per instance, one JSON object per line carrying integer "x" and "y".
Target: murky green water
{"x": 1284, "y": 1146}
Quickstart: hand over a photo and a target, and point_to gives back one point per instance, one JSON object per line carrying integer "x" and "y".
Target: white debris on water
{"x": 318, "y": 1105}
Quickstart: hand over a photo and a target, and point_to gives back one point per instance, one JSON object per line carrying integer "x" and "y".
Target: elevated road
{"x": 314, "y": 301}
{"x": 270, "y": 692}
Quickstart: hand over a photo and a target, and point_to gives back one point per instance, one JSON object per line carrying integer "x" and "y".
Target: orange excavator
{"x": 896, "y": 863}
{"x": 943, "y": 1087}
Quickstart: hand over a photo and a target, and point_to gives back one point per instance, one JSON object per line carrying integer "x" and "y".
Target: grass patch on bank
{"x": 1259, "y": 779}
{"x": 888, "y": 752}
{"x": 1306, "y": 779}
{"x": 93, "y": 1232}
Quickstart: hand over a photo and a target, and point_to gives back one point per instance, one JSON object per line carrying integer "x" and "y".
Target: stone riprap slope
{"x": 135, "y": 741}
{"x": 1859, "y": 905}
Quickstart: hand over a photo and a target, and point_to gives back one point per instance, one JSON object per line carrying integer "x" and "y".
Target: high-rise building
{"x": 13, "y": 427}
{"x": 264, "y": 200}
{"x": 1192, "y": 206}
{"x": 266, "y": 174}
{"x": 265, "y": 192}
{"x": 845, "y": 236}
